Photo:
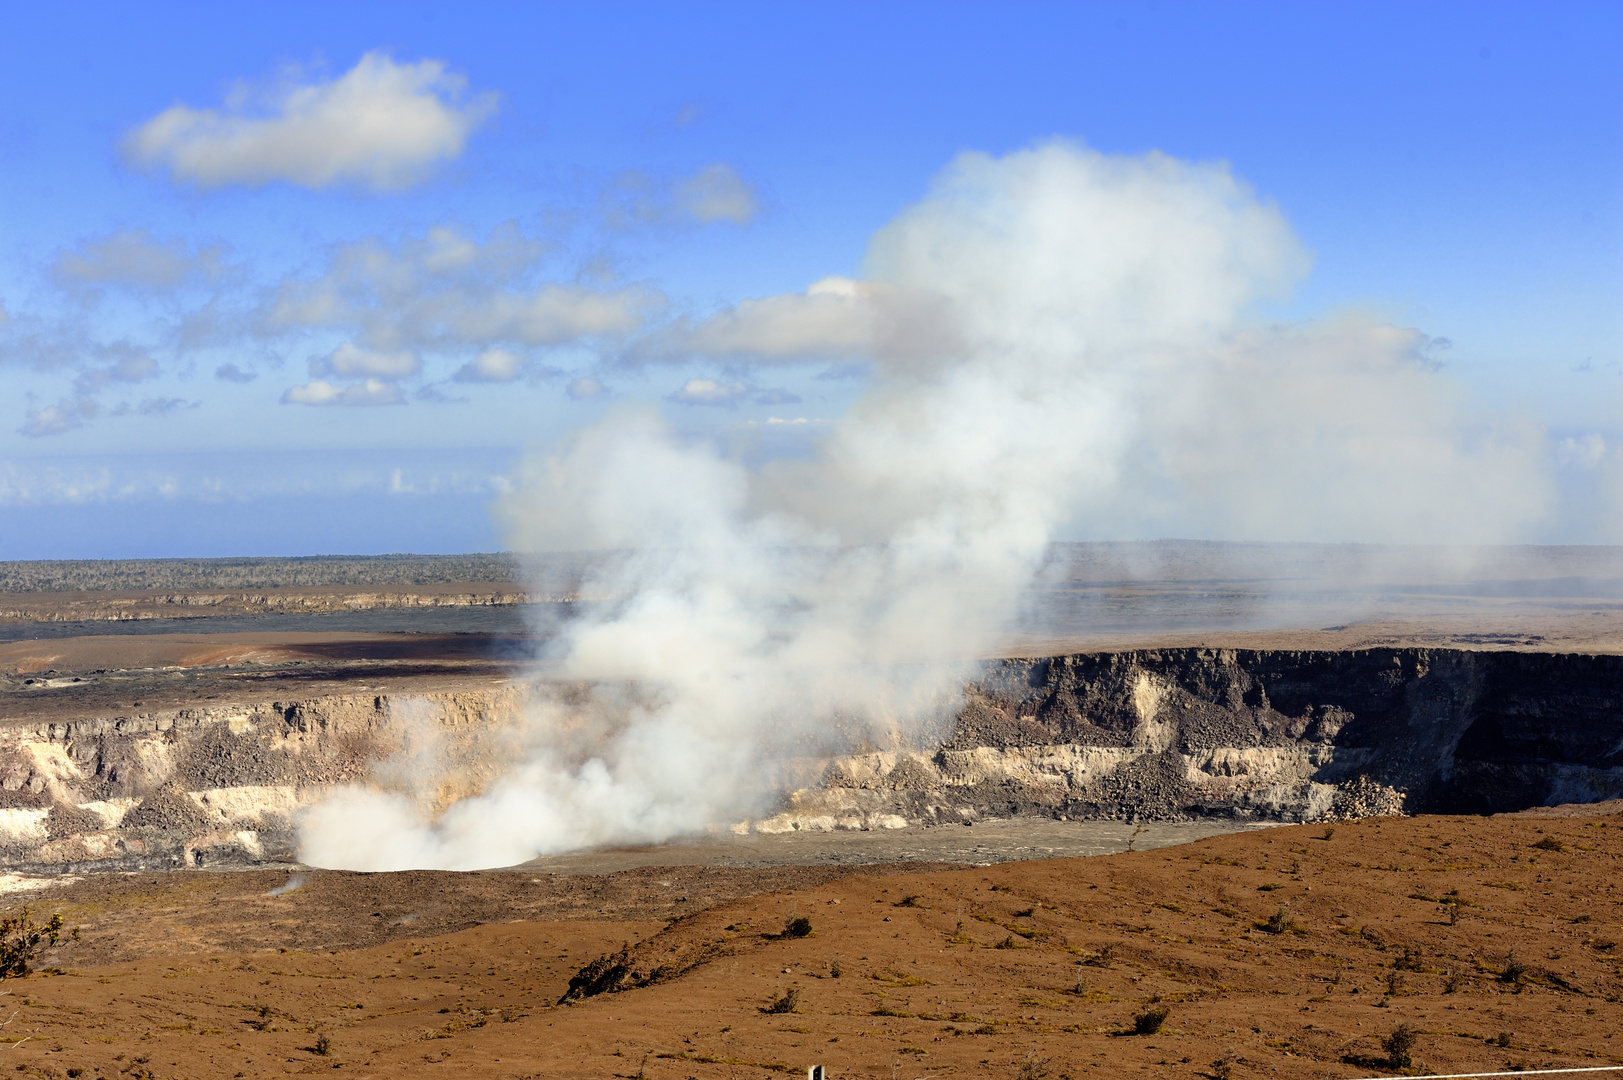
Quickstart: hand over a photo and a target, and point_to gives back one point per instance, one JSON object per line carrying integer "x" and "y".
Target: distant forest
{"x": 129, "y": 575}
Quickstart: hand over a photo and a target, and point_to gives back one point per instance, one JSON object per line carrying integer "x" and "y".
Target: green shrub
{"x": 20, "y": 938}
{"x": 1399, "y": 1046}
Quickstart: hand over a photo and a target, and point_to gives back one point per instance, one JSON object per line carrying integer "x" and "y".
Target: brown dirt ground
{"x": 133, "y": 652}
{"x": 206, "y": 603}
{"x": 117, "y": 673}
{"x": 1035, "y": 968}
{"x": 1490, "y": 625}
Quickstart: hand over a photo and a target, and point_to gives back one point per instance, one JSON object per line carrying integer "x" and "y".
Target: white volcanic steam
{"x": 1061, "y": 342}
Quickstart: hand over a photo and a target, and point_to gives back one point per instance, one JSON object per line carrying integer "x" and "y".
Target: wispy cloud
{"x": 351, "y": 361}
{"x": 321, "y": 392}
{"x": 836, "y": 318}
{"x": 584, "y": 387}
{"x": 135, "y": 259}
{"x": 1586, "y": 452}
{"x": 382, "y": 125}
{"x": 163, "y": 406}
{"x": 65, "y": 415}
{"x": 712, "y": 392}
{"x": 491, "y": 366}
{"x": 715, "y": 193}
{"x": 447, "y": 289}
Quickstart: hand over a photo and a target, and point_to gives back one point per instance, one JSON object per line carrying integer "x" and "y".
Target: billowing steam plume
{"x": 1061, "y": 342}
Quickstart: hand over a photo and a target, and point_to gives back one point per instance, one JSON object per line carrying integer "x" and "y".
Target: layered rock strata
{"x": 222, "y": 785}
{"x": 1166, "y": 735}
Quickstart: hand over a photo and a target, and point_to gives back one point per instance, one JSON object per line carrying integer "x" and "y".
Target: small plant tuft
{"x": 323, "y": 1044}
{"x": 1411, "y": 960}
{"x": 1280, "y": 922}
{"x": 1149, "y": 1021}
{"x": 797, "y": 926}
{"x": 1033, "y": 1068}
{"x": 835, "y": 968}
{"x": 787, "y": 1003}
{"x": 1399, "y": 1047}
{"x": 1549, "y": 843}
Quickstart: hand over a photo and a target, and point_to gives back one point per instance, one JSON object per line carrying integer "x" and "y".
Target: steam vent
{"x": 195, "y": 732}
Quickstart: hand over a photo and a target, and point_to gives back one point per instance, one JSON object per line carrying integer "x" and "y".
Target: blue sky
{"x": 597, "y": 174}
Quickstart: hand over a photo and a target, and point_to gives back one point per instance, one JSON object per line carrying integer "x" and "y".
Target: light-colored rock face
{"x": 249, "y": 804}
{"x": 206, "y": 786}
{"x": 22, "y": 826}
{"x": 1168, "y": 736}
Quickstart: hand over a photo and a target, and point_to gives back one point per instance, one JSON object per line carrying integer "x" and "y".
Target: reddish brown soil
{"x": 970, "y": 972}
{"x": 145, "y": 651}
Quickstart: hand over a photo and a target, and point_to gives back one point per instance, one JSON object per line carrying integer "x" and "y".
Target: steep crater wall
{"x": 223, "y": 784}
{"x": 1164, "y": 735}
{"x": 1257, "y": 735}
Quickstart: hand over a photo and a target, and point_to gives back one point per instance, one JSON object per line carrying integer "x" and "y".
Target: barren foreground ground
{"x": 984, "y": 971}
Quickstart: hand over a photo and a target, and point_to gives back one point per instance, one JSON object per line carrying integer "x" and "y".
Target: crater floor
{"x": 1290, "y": 953}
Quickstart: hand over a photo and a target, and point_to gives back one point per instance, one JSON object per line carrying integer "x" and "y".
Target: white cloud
{"x": 351, "y": 361}
{"x": 320, "y": 392}
{"x": 446, "y": 289}
{"x": 584, "y": 387}
{"x": 65, "y": 415}
{"x": 134, "y": 258}
{"x": 381, "y": 124}
{"x": 550, "y": 315}
{"x": 717, "y": 193}
{"x": 710, "y": 392}
{"x": 130, "y": 368}
{"x": 492, "y": 365}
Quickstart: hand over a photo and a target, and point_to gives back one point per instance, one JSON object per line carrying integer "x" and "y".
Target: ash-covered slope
{"x": 1156, "y": 734}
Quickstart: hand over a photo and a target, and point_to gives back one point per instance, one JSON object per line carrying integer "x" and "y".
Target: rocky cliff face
{"x": 205, "y": 786}
{"x": 1288, "y": 736}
